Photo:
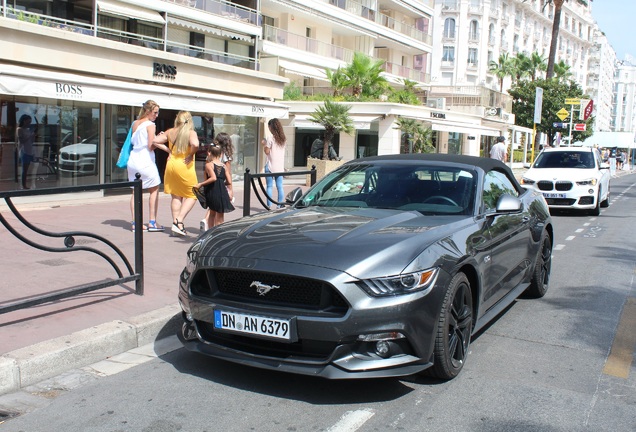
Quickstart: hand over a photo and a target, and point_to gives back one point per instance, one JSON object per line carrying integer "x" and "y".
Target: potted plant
{"x": 335, "y": 118}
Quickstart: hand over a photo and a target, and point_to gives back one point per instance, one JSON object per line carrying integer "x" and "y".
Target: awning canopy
{"x": 362, "y": 122}
{"x": 202, "y": 28}
{"x": 129, "y": 11}
{"x": 466, "y": 128}
{"x": 16, "y": 80}
{"x": 303, "y": 70}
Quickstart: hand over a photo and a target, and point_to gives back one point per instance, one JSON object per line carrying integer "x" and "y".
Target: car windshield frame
{"x": 576, "y": 159}
{"x": 425, "y": 187}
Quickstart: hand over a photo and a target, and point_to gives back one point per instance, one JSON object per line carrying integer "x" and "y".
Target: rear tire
{"x": 542, "y": 268}
{"x": 454, "y": 329}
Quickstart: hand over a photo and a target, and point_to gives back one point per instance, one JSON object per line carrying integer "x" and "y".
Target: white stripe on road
{"x": 570, "y": 238}
{"x": 579, "y": 230}
{"x": 352, "y": 420}
{"x": 559, "y": 247}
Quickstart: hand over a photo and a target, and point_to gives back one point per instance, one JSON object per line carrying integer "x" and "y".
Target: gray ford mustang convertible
{"x": 385, "y": 267}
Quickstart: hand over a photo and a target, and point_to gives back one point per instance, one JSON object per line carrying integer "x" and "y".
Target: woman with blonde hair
{"x": 180, "y": 175}
{"x": 142, "y": 161}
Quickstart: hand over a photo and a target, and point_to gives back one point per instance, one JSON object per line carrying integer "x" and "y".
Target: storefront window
{"x": 48, "y": 143}
{"x": 454, "y": 143}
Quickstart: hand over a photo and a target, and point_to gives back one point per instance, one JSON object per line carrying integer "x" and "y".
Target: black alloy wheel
{"x": 541, "y": 275}
{"x": 453, "y": 329}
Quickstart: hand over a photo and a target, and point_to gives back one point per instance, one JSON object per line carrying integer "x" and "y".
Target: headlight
{"x": 401, "y": 284}
{"x": 587, "y": 182}
{"x": 193, "y": 256}
{"x": 527, "y": 181}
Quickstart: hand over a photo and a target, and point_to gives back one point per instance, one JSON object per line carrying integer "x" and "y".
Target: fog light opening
{"x": 591, "y": 191}
{"x": 383, "y": 349}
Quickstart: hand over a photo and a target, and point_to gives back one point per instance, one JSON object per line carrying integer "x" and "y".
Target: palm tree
{"x": 501, "y": 69}
{"x": 521, "y": 65}
{"x": 364, "y": 76}
{"x": 562, "y": 71}
{"x": 415, "y": 137}
{"x": 334, "y": 117}
{"x": 537, "y": 63}
{"x": 558, "y": 6}
{"x": 406, "y": 95}
{"x": 338, "y": 80}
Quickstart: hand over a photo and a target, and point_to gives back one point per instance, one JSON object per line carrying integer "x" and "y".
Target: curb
{"x": 30, "y": 365}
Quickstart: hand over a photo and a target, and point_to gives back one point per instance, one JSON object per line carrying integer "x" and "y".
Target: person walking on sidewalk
{"x": 180, "y": 174}
{"x": 215, "y": 186}
{"x": 142, "y": 161}
{"x": 500, "y": 151}
{"x": 274, "y": 148}
{"x": 25, "y": 139}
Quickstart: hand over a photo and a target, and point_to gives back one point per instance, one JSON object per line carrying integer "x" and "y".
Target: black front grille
{"x": 291, "y": 291}
{"x": 563, "y": 185}
{"x": 305, "y": 349}
{"x": 560, "y": 201}
{"x": 545, "y": 185}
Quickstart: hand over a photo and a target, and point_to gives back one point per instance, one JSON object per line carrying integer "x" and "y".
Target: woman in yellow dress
{"x": 180, "y": 174}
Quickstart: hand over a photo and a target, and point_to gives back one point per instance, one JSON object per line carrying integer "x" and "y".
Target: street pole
{"x": 571, "y": 119}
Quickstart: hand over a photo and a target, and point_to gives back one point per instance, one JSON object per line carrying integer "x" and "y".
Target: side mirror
{"x": 294, "y": 196}
{"x": 508, "y": 204}
{"x": 604, "y": 166}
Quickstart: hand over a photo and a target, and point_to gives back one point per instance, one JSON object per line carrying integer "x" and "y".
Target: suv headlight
{"x": 527, "y": 181}
{"x": 406, "y": 283}
{"x": 587, "y": 182}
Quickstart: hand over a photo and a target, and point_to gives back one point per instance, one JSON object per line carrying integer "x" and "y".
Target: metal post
{"x": 139, "y": 234}
{"x": 246, "y": 192}
{"x": 571, "y": 119}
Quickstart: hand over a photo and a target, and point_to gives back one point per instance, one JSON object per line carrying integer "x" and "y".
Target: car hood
{"x": 572, "y": 174}
{"x": 80, "y": 148}
{"x": 357, "y": 241}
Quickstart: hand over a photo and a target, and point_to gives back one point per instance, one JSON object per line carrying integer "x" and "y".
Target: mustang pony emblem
{"x": 263, "y": 289}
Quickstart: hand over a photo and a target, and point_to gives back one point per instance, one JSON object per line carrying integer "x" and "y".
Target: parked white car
{"x": 79, "y": 158}
{"x": 571, "y": 178}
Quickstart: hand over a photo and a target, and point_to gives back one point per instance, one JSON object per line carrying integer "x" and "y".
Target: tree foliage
{"x": 415, "y": 137}
{"x": 334, "y": 117}
{"x": 555, "y": 93}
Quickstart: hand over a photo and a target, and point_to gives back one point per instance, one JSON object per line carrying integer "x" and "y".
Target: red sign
{"x": 579, "y": 127}
{"x": 587, "y": 111}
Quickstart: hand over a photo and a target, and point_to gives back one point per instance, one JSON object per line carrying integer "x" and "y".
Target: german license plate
{"x": 553, "y": 195}
{"x": 253, "y": 324}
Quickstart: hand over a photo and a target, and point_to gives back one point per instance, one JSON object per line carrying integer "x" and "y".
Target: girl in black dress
{"x": 216, "y": 183}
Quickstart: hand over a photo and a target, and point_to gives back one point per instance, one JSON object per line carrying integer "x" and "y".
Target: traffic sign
{"x": 563, "y": 114}
{"x": 587, "y": 105}
{"x": 559, "y": 125}
{"x": 580, "y": 127}
{"x": 573, "y": 101}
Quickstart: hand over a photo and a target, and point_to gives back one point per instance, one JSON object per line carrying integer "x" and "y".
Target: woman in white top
{"x": 274, "y": 148}
{"x": 142, "y": 161}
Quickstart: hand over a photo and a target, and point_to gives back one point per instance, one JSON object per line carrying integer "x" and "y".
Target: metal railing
{"x": 254, "y": 182}
{"x": 70, "y": 244}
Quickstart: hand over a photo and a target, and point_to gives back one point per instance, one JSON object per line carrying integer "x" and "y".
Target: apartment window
{"x": 503, "y": 38}
{"x": 472, "y": 56}
{"x": 515, "y": 43}
{"x": 449, "y": 28}
{"x": 448, "y": 54}
{"x": 473, "y": 31}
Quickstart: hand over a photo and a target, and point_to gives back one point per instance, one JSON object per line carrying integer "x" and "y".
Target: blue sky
{"x": 616, "y": 19}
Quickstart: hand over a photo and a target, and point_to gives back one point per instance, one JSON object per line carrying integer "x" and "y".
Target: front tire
{"x": 596, "y": 211}
{"x": 541, "y": 274}
{"x": 606, "y": 202}
{"x": 454, "y": 329}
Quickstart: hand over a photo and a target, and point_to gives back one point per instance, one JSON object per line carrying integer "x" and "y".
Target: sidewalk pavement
{"x": 46, "y": 340}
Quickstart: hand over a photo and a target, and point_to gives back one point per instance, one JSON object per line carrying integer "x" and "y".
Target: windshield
{"x": 429, "y": 189}
{"x": 565, "y": 159}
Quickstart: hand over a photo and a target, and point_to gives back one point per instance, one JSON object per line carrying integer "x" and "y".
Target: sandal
{"x": 179, "y": 228}
{"x": 153, "y": 227}
{"x": 143, "y": 227}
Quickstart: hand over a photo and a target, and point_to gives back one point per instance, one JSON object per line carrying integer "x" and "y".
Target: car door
{"x": 508, "y": 242}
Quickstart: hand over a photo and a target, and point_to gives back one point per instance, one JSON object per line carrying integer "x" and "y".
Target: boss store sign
{"x": 163, "y": 70}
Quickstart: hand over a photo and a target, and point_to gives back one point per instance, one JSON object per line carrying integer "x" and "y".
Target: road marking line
{"x": 570, "y": 238}
{"x": 620, "y": 358}
{"x": 579, "y": 230}
{"x": 352, "y": 420}
{"x": 559, "y": 247}
{"x": 586, "y": 224}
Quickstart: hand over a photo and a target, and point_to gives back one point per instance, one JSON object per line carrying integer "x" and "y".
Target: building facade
{"x": 79, "y": 72}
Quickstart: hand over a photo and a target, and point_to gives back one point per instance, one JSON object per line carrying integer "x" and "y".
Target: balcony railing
{"x": 381, "y": 19}
{"x": 284, "y": 37}
{"x": 472, "y": 96}
{"x": 159, "y": 44}
{"x": 221, "y": 8}
{"x": 406, "y": 72}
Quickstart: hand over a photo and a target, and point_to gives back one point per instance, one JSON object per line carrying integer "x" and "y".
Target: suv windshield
{"x": 565, "y": 159}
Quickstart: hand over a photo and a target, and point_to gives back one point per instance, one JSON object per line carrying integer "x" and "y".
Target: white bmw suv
{"x": 571, "y": 178}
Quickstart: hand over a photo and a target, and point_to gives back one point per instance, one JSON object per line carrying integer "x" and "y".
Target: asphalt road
{"x": 561, "y": 363}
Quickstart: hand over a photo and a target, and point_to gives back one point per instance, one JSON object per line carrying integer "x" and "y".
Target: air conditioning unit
{"x": 437, "y": 103}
